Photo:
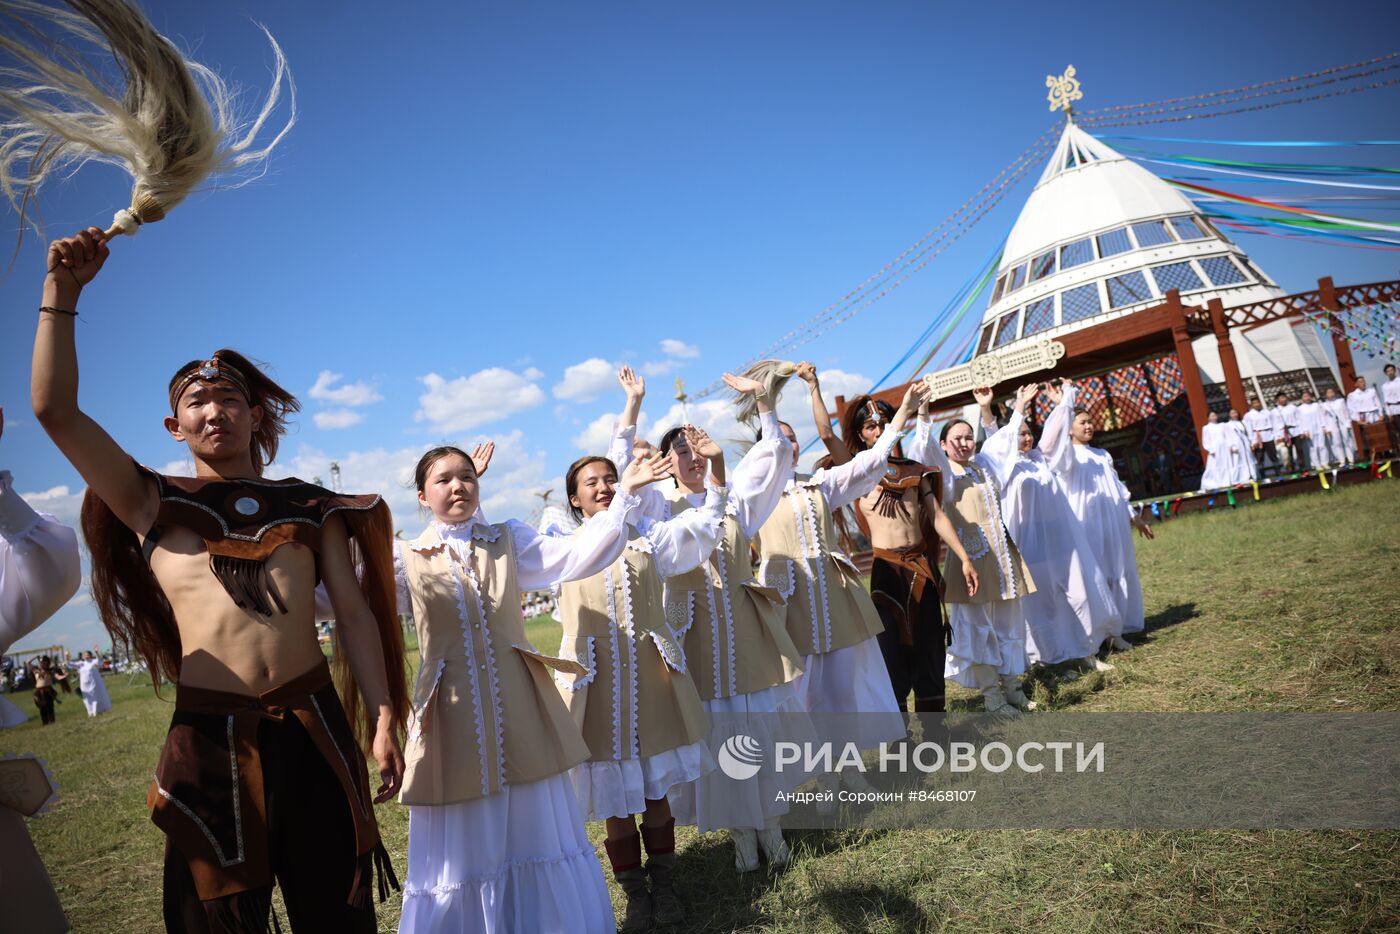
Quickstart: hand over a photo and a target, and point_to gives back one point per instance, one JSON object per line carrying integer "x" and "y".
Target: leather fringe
{"x": 246, "y": 581}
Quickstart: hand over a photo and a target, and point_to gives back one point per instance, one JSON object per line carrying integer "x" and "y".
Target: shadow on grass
{"x": 1173, "y": 615}
{"x": 718, "y": 899}
{"x": 851, "y": 908}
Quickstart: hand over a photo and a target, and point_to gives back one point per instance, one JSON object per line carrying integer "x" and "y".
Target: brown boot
{"x": 661, "y": 861}
{"x": 625, "y": 855}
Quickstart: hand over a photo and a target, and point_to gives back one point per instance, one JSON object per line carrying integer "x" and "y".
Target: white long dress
{"x": 854, "y": 679}
{"x": 39, "y": 571}
{"x": 991, "y": 632}
{"x": 1072, "y": 609}
{"x": 519, "y": 859}
{"x": 94, "y": 687}
{"x": 1104, "y": 505}
{"x": 1213, "y": 443}
{"x": 1238, "y": 454}
{"x": 618, "y": 787}
{"x": 771, "y": 715}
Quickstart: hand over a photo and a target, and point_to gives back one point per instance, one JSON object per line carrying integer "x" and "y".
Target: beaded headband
{"x": 210, "y": 371}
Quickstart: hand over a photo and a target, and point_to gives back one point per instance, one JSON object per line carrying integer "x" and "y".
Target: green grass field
{"x": 1285, "y": 605}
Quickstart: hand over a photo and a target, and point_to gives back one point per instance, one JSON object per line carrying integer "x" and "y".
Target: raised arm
{"x": 53, "y": 387}
{"x": 758, "y": 480}
{"x": 850, "y": 481}
{"x": 39, "y": 567}
{"x": 683, "y": 542}
{"x": 840, "y": 454}
{"x": 545, "y": 560}
{"x": 1055, "y": 441}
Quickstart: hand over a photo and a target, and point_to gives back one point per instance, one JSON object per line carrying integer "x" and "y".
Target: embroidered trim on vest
{"x": 630, "y": 574}
{"x": 714, "y": 636}
{"x": 616, "y": 661}
{"x": 591, "y": 663}
{"x": 797, "y": 510}
{"x": 785, "y": 584}
{"x": 680, "y": 611}
{"x": 666, "y": 647}
{"x": 991, "y": 502}
{"x": 471, "y": 673}
{"x": 415, "y": 726}
{"x": 818, "y": 547}
{"x": 722, "y": 569}
{"x": 493, "y": 681}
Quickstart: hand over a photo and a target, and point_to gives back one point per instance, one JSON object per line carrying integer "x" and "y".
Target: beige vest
{"x": 485, "y": 713}
{"x": 636, "y": 698}
{"x": 975, "y": 511}
{"x": 828, "y": 605}
{"x": 735, "y": 632}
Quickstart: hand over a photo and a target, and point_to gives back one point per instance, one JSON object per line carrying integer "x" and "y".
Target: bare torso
{"x": 903, "y": 529}
{"x": 224, "y": 647}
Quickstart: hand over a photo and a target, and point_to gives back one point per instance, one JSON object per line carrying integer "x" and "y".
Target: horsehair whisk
{"x": 172, "y": 125}
{"x": 773, "y": 374}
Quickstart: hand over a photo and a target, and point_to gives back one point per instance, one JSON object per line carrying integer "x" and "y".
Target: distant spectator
{"x": 1260, "y": 426}
{"x": 1341, "y": 438}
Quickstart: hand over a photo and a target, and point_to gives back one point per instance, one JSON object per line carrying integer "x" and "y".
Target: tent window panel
{"x": 1187, "y": 229}
{"x": 1006, "y": 332}
{"x": 1077, "y": 253}
{"x": 1040, "y": 316}
{"x": 986, "y": 338}
{"x": 1077, "y": 304}
{"x": 1128, "y": 289}
{"x": 1114, "y": 242}
{"x": 1220, "y": 271}
{"x": 1043, "y": 265}
{"x": 1018, "y": 278}
{"x": 1177, "y": 276}
{"x": 1151, "y": 233}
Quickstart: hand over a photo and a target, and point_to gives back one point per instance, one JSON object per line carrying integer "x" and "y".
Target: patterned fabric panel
{"x": 1131, "y": 394}
{"x": 1077, "y": 253}
{"x": 1006, "y": 332}
{"x": 1114, "y": 242}
{"x": 1186, "y": 228}
{"x": 1043, "y": 265}
{"x": 1151, "y": 233}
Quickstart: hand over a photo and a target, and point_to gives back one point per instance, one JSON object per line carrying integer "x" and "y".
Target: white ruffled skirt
{"x": 834, "y": 686}
{"x": 10, "y": 715}
{"x": 986, "y": 634}
{"x": 716, "y": 802}
{"x": 620, "y": 787}
{"x": 97, "y": 700}
{"x": 518, "y": 860}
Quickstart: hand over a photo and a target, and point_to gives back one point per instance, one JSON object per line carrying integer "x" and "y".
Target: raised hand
{"x": 642, "y": 471}
{"x": 982, "y": 395}
{"x": 77, "y": 259}
{"x": 1025, "y": 394}
{"x": 807, "y": 373}
{"x": 701, "y": 443}
{"x": 1056, "y": 393}
{"x": 481, "y": 456}
{"x": 632, "y": 384}
{"x": 743, "y": 385}
{"x": 917, "y": 394}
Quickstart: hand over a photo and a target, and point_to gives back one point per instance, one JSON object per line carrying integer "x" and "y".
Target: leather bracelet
{"x": 58, "y": 311}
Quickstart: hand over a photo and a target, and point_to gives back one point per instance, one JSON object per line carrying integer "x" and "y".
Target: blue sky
{"x": 484, "y": 207}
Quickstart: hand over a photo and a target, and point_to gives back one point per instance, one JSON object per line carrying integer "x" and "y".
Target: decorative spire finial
{"x": 1064, "y": 91}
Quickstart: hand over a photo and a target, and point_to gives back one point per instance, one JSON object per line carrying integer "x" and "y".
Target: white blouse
{"x": 39, "y": 567}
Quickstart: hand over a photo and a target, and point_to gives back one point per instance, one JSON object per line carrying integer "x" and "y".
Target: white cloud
{"x": 586, "y": 381}
{"x": 597, "y": 435}
{"x": 349, "y": 394}
{"x": 485, "y": 396}
{"x": 675, "y": 348}
{"x": 795, "y": 401}
{"x": 659, "y": 367}
{"x": 183, "y": 467}
{"x": 58, "y": 502}
{"x": 332, "y": 419}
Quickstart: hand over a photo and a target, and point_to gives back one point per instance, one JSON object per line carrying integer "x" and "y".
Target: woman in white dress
{"x": 988, "y": 650}
{"x": 39, "y": 571}
{"x": 92, "y": 685}
{"x": 1237, "y": 450}
{"x": 1072, "y": 610}
{"x": 830, "y": 615}
{"x": 496, "y": 840}
{"x": 1104, "y": 506}
{"x": 741, "y": 658}
{"x": 636, "y": 703}
{"x": 1214, "y": 450}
